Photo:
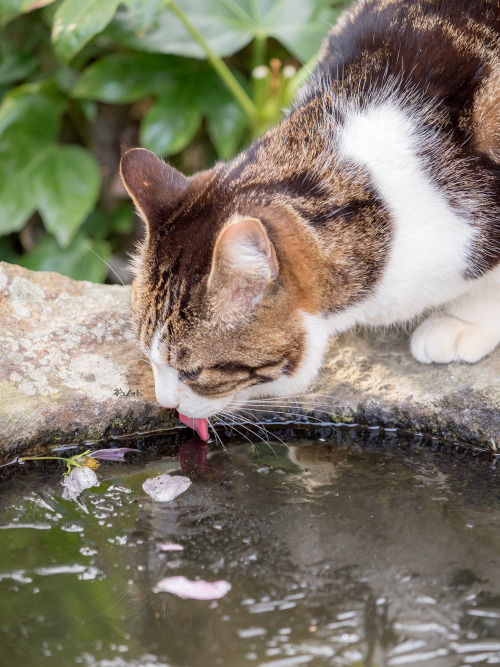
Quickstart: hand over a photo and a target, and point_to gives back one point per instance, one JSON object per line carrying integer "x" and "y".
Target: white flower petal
{"x": 166, "y": 487}
{"x": 77, "y": 481}
{"x": 196, "y": 590}
{"x": 168, "y": 546}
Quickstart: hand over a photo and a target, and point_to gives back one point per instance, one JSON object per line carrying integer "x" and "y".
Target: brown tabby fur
{"x": 323, "y": 218}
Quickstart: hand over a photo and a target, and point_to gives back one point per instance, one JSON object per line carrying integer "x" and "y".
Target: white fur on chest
{"x": 430, "y": 242}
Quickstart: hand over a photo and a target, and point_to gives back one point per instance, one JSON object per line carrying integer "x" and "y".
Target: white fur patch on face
{"x": 431, "y": 241}
{"x": 166, "y": 378}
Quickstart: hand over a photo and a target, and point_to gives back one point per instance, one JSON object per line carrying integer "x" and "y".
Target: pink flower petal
{"x": 116, "y": 454}
{"x": 196, "y": 590}
{"x": 165, "y": 488}
{"x": 166, "y": 546}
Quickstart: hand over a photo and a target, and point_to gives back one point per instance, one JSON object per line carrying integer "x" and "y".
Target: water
{"x": 342, "y": 552}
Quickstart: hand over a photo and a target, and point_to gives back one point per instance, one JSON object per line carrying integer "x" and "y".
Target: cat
{"x": 376, "y": 199}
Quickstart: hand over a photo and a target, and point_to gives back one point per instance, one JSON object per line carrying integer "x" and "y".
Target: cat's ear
{"x": 153, "y": 185}
{"x": 243, "y": 266}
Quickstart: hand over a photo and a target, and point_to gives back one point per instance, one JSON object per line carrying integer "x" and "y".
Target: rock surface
{"x": 69, "y": 366}
{"x": 70, "y": 370}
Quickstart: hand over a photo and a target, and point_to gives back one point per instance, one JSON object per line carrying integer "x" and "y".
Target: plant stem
{"x": 259, "y": 51}
{"x": 218, "y": 64}
{"x": 41, "y": 458}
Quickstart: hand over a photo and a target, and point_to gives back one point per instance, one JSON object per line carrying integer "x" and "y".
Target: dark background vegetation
{"x": 192, "y": 80}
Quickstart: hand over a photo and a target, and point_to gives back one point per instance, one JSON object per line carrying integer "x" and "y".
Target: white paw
{"x": 443, "y": 338}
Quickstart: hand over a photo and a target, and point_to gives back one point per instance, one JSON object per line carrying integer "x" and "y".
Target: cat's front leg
{"x": 466, "y": 330}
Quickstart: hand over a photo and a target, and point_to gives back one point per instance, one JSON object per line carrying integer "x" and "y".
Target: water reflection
{"x": 337, "y": 555}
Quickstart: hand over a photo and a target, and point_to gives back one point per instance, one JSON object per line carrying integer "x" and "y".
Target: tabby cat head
{"x": 222, "y": 298}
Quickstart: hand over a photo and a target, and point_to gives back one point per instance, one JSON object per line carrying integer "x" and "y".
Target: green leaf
{"x": 228, "y": 25}
{"x": 226, "y": 125}
{"x": 173, "y": 121}
{"x": 217, "y": 24}
{"x": 9, "y": 9}
{"x": 303, "y": 36}
{"x": 15, "y": 63}
{"x": 7, "y": 253}
{"x": 146, "y": 13}
{"x": 77, "y": 261}
{"x": 34, "y": 109}
{"x": 77, "y": 21}
{"x": 102, "y": 224}
{"x": 17, "y": 201}
{"x": 126, "y": 77}
{"x": 66, "y": 185}
{"x": 226, "y": 120}
{"x": 19, "y": 158}
{"x": 29, "y": 123}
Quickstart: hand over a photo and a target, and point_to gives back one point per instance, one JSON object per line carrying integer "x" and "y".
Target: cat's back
{"x": 430, "y": 36}
{"x": 446, "y": 49}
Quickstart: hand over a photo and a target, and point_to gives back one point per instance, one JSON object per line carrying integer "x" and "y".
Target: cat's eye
{"x": 189, "y": 376}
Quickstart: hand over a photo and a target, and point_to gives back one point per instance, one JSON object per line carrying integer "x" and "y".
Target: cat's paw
{"x": 443, "y": 338}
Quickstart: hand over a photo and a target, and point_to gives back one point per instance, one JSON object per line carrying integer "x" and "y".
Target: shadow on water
{"x": 339, "y": 552}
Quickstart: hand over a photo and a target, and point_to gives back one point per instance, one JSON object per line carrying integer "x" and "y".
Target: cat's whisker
{"x": 244, "y": 424}
{"x": 253, "y": 419}
{"x": 231, "y": 426}
{"x": 266, "y": 431}
{"x": 282, "y": 412}
{"x": 217, "y": 436}
{"x": 294, "y": 404}
{"x": 291, "y": 397}
{"x": 105, "y": 262}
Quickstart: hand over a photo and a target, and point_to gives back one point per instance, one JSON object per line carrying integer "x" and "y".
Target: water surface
{"x": 339, "y": 552}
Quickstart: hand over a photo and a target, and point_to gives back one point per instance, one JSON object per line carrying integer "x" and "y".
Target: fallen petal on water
{"x": 117, "y": 454}
{"x": 166, "y": 487}
{"x": 196, "y": 590}
{"x": 166, "y": 546}
{"x": 77, "y": 481}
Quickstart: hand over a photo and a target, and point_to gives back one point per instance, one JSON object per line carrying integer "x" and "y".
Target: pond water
{"x": 345, "y": 551}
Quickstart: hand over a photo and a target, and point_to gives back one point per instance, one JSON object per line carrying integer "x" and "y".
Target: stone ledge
{"x": 70, "y": 370}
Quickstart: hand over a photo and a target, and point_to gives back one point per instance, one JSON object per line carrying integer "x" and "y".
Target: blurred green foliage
{"x": 79, "y": 79}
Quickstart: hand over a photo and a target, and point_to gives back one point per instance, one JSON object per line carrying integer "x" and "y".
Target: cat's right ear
{"x": 154, "y": 186}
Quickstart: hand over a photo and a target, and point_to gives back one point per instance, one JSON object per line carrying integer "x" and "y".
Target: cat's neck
{"x": 374, "y": 183}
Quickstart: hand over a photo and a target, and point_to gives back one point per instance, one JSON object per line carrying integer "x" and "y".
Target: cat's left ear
{"x": 154, "y": 185}
{"x": 244, "y": 264}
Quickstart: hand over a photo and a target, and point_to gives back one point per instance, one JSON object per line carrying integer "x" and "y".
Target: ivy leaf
{"x": 126, "y": 77}
{"x": 77, "y": 261}
{"x": 35, "y": 109}
{"x": 76, "y": 22}
{"x": 229, "y": 25}
{"x": 146, "y": 13}
{"x": 29, "y": 123}
{"x": 226, "y": 125}
{"x": 66, "y": 184}
{"x": 170, "y": 36}
{"x": 226, "y": 120}
{"x": 173, "y": 121}
{"x": 9, "y": 9}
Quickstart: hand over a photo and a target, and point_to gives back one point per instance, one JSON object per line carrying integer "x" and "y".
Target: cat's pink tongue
{"x": 198, "y": 425}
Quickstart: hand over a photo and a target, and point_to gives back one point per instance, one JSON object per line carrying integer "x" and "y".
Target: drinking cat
{"x": 374, "y": 201}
